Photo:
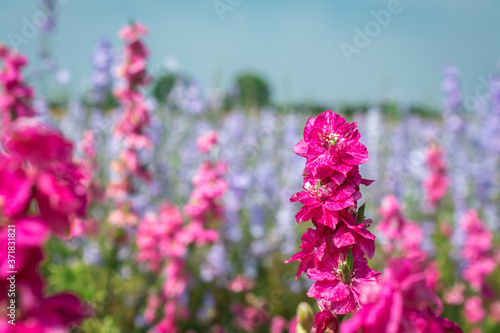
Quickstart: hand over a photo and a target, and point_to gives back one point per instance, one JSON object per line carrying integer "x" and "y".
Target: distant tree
{"x": 162, "y": 85}
{"x": 251, "y": 91}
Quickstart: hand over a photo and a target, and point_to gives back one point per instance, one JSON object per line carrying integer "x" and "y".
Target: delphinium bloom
{"x": 102, "y": 79}
{"x": 187, "y": 97}
{"x": 478, "y": 253}
{"x": 163, "y": 238}
{"x": 437, "y": 182}
{"x": 403, "y": 236}
{"x": 41, "y": 191}
{"x": 205, "y": 208}
{"x": 333, "y": 254}
{"x": 209, "y": 186}
{"x": 400, "y": 303}
{"x": 131, "y": 127}
{"x": 39, "y": 166}
{"x": 486, "y": 178}
{"x": 89, "y": 164}
{"x": 15, "y": 96}
{"x": 454, "y": 139}
{"x": 162, "y": 242}
{"x": 477, "y": 250}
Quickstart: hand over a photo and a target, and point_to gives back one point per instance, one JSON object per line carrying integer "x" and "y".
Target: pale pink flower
{"x": 495, "y": 311}
{"x": 240, "y": 284}
{"x": 455, "y": 295}
{"x": 207, "y": 141}
{"x": 473, "y": 309}
{"x": 278, "y": 324}
{"x": 437, "y": 182}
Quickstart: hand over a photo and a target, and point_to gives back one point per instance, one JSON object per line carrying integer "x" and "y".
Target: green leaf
{"x": 350, "y": 260}
{"x": 361, "y": 214}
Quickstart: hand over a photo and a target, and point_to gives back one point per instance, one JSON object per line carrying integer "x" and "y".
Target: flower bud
{"x": 305, "y": 317}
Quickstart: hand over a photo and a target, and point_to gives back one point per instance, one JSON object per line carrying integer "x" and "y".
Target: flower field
{"x": 148, "y": 206}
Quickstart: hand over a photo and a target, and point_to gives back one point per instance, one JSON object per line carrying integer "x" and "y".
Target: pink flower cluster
{"x": 249, "y": 318}
{"x": 163, "y": 240}
{"x": 41, "y": 190}
{"x": 89, "y": 164}
{"x": 404, "y": 237}
{"x": 135, "y": 118}
{"x": 437, "y": 183}
{"x": 333, "y": 254}
{"x": 89, "y": 167}
{"x": 209, "y": 186}
{"x": 401, "y": 302}
{"x": 405, "y": 300}
{"x": 132, "y": 125}
{"x": 207, "y": 141}
{"x": 15, "y": 95}
{"x": 478, "y": 252}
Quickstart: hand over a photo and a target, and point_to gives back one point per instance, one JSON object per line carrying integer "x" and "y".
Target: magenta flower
{"x": 210, "y": 186}
{"x": 41, "y": 188}
{"x": 47, "y": 174}
{"x": 437, "y": 183}
{"x": 15, "y": 96}
{"x": 38, "y": 143}
{"x": 324, "y": 203}
{"x": 51, "y": 314}
{"x": 16, "y": 189}
{"x": 133, "y": 32}
{"x": 338, "y": 283}
{"x": 349, "y": 233}
{"x": 61, "y": 311}
{"x": 313, "y": 248}
{"x": 330, "y": 144}
{"x": 473, "y": 310}
{"x": 401, "y": 302}
{"x": 392, "y": 220}
{"x": 333, "y": 254}
{"x": 160, "y": 236}
{"x": 32, "y": 233}
{"x": 404, "y": 236}
{"x": 477, "y": 250}
{"x": 325, "y": 320}
{"x": 134, "y": 120}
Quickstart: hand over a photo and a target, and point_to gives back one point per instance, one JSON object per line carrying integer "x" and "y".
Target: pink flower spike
{"x": 336, "y": 283}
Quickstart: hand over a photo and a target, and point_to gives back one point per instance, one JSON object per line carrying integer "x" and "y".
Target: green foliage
{"x": 253, "y": 91}
{"x": 162, "y": 85}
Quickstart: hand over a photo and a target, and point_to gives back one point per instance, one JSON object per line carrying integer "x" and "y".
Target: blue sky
{"x": 293, "y": 43}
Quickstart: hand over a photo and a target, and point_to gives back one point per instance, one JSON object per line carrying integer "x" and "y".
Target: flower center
{"x": 345, "y": 272}
{"x": 332, "y": 139}
{"x": 319, "y": 190}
